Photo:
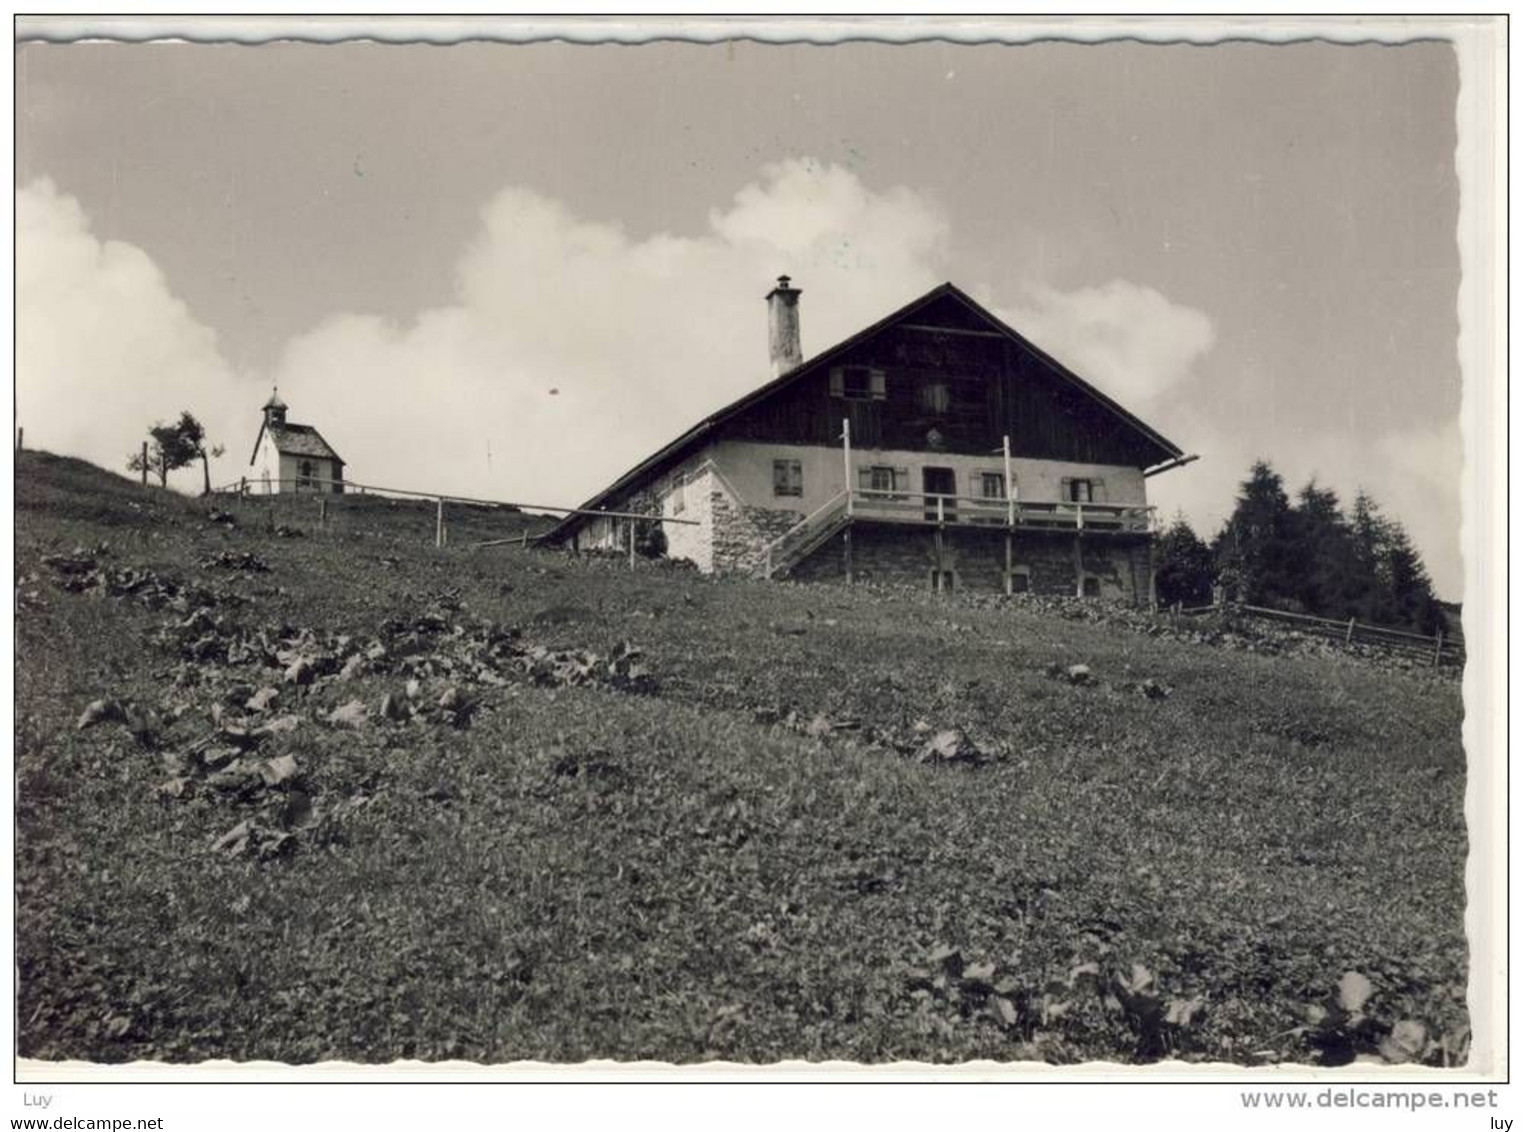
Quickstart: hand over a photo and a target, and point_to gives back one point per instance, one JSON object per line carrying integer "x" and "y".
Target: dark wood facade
{"x": 948, "y": 381}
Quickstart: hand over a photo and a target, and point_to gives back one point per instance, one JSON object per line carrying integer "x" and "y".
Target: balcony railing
{"x": 981, "y": 511}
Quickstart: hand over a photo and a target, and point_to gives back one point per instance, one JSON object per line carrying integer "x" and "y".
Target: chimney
{"x": 783, "y": 327}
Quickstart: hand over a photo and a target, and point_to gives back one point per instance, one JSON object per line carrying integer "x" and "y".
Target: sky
{"x": 513, "y": 271}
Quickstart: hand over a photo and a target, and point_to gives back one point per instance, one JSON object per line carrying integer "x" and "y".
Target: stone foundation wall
{"x": 741, "y": 532}
{"x": 901, "y": 555}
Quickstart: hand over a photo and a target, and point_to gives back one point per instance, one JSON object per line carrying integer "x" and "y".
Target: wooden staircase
{"x": 804, "y": 538}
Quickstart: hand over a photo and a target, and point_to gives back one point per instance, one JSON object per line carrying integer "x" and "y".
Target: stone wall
{"x": 906, "y": 555}
{"x": 741, "y": 532}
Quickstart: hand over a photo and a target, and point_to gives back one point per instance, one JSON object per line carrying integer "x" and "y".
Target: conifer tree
{"x": 1323, "y": 547}
{"x": 1185, "y": 570}
{"x": 1254, "y": 548}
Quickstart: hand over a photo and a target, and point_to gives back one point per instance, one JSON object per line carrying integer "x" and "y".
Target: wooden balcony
{"x": 927, "y": 509}
{"x": 923, "y": 508}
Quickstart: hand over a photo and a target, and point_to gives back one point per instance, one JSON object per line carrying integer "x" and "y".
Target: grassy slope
{"x": 587, "y": 872}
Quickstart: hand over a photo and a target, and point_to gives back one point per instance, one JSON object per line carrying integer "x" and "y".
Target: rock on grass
{"x": 262, "y": 700}
{"x": 102, "y": 711}
{"x": 353, "y": 714}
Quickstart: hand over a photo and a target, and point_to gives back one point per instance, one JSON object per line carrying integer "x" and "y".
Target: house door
{"x": 939, "y": 482}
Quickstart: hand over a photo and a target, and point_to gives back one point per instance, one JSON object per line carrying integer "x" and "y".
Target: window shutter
{"x": 864, "y": 479}
{"x": 878, "y": 383}
{"x": 901, "y": 479}
{"x": 1097, "y": 491}
{"x": 837, "y": 382}
{"x": 1068, "y": 489}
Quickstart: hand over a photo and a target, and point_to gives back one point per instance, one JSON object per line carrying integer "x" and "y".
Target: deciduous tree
{"x": 175, "y": 446}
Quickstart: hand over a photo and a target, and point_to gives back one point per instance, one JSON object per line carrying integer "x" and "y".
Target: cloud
{"x": 812, "y": 216}
{"x": 571, "y": 350}
{"x": 1420, "y": 473}
{"x": 1427, "y": 459}
{"x": 103, "y": 348}
{"x": 1134, "y": 342}
{"x": 568, "y": 351}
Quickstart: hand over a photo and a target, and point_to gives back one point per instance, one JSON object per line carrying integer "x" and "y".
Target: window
{"x": 934, "y": 397}
{"x": 992, "y": 485}
{"x": 1081, "y": 491}
{"x": 679, "y": 494}
{"x": 943, "y": 581}
{"x": 1090, "y": 586}
{"x": 858, "y": 383}
{"x": 883, "y": 482}
{"x": 1018, "y": 581}
{"x": 306, "y": 476}
{"x": 787, "y": 477}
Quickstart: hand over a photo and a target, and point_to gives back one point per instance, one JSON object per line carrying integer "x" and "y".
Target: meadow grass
{"x": 745, "y": 859}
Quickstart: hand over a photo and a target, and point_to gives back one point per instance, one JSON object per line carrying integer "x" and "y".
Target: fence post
{"x": 631, "y": 544}
{"x": 1438, "y": 647}
{"x": 145, "y": 463}
{"x": 846, "y": 455}
{"x": 439, "y": 524}
{"x": 1348, "y": 637}
{"x": 322, "y": 514}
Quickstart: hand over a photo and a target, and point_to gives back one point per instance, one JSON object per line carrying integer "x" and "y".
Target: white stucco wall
{"x": 270, "y": 467}
{"x": 323, "y": 472}
{"x": 748, "y": 466}
{"x": 691, "y": 541}
{"x": 266, "y": 467}
{"x": 696, "y": 489}
{"x": 741, "y": 472}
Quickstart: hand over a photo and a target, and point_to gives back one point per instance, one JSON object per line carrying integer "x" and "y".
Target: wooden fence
{"x": 1437, "y": 649}
{"x": 321, "y": 496}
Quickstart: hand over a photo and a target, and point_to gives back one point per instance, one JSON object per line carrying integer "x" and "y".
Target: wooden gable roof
{"x": 296, "y": 440}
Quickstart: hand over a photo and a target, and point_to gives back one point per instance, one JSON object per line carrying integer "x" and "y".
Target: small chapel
{"x": 292, "y": 457}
